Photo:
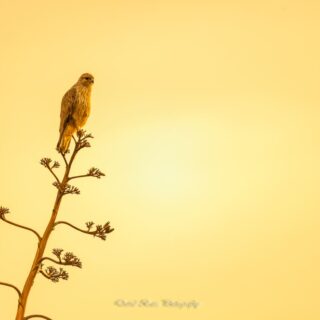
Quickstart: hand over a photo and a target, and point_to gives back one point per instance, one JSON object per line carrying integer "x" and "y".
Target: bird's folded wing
{"x": 67, "y": 108}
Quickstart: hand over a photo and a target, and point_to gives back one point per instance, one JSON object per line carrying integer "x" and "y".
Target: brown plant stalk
{"x": 63, "y": 188}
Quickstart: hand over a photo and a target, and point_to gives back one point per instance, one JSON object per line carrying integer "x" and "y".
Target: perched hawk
{"x": 75, "y": 110}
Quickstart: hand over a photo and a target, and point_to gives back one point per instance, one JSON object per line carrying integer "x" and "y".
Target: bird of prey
{"x": 75, "y": 110}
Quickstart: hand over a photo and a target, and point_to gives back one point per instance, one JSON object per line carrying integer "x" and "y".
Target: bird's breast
{"x": 82, "y": 106}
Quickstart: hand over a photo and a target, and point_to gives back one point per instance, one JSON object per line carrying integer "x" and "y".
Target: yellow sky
{"x": 205, "y": 116}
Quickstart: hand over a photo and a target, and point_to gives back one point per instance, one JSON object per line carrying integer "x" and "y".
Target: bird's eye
{"x": 87, "y": 78}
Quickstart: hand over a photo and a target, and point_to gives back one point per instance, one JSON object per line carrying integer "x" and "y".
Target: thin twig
{"x": 37, "y": 316}
{"x": 57, "y": 179}
{"x": 74, "y": 227}
{"x": 21, "y": 226}
{"x": 64, "y": 159}
{"x": 100, "y": 232}
{"x": 74, "y": 153}
{"x": 66, "y": 263}
{"x": 55, "y": 261}
{"x": 44, "y": 274}
{"x": 11, "y": 286}
{"x": 80, "y": 176}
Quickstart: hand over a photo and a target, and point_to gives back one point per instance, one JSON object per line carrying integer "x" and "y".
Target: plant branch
{"x": 53, "y": 274}
{"x": 70, "y": 225}
{"x": 57, "y": 179}
{"x": 50, "y": 272}
{"x": 4, "y": 211}
{"x": 64, "y": 159}
{"x": 66, "y": 189}
{"x": 80, "y": 176}
{"x": 80, "y": 143}
{"x": 11, "y": 286}
{"x": 74, "y": 153}
{"x": 46, "y": 163}
{"x": 92, "y": 172}
{"x": 55, "y": 261}
{"x": 68, "y": 259}
{"x": 37, "y": 316}
{"x": 100, "y": 231}
{"x": 44, "y": 274}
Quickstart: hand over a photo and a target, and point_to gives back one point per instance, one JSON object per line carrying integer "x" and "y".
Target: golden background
{"x": 206, "y": 122}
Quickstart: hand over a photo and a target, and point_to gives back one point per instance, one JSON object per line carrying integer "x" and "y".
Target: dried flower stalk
{"x": 68, "y": 258}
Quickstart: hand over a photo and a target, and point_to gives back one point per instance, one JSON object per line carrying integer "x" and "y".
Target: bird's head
{"x": 86, "y": 79}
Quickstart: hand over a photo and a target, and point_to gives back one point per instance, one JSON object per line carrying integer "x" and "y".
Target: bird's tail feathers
{"x": 63, "y": 143}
